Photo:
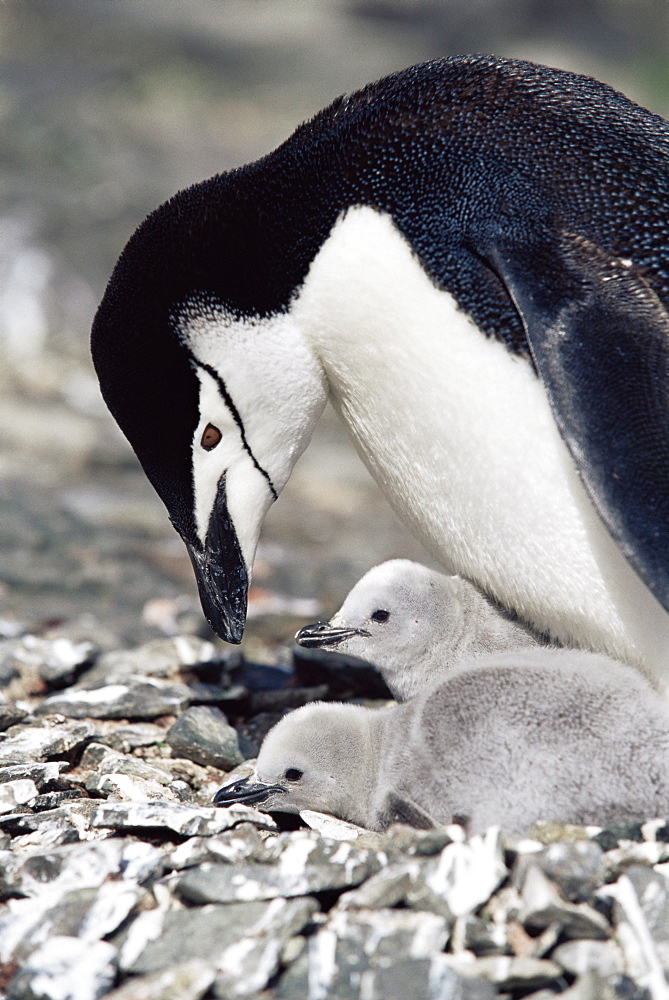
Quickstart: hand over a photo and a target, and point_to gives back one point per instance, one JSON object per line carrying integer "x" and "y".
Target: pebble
{"x": 307, "y": 864}
{"x": 65, "y": 968}
{"x": 133, "y": 698}
{"x": 202, "y": 734}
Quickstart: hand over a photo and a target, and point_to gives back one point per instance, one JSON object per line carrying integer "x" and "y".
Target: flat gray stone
{"x": 16, "y": 793}
{"x": 73, "y": 819}
{"x": 131, "y": 698}
{"x": 203, "y": 734}
{"x": 39, "y": 773}
{"x": 239, "y": 844}
{"x": 128, "y": 737}
{"x": 222, "y": 936}
{"x": 29, "y": 743}
{"x": 342, "y": 953}
{"x": 186, "y": 981}
{"x": 429, "y": 978}
{"x": 417, "y": 979}
{"x": 105, "y": 760}
{"x": 482, "y": 937}
{"x": 579, "y": 957}
{"x": 128, "y": 788}
{"x": 391, "y": 885}
{"x": 79, "y": 865}
{"x": 462, "y": 877}
{"x": 187, "y": 820}
{"x": 652, "y": 891}
{"x": 90, "y": 914}
{"x": 576, "y": 867}
{"x": 307, "y": 864}
{"x": 508, "y": 972}
{"x": 65, "y": 968}
{"x": 330, "y": 826}
{"x": 542, "y": 906}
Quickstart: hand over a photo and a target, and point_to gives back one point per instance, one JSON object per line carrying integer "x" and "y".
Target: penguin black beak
{"x": 324, "y": 634}
{"x": 241, "y": 791}
{"x": 220, "y": 570}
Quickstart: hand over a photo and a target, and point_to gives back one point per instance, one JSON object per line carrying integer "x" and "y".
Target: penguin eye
{"x": 210, "y": 437}
{"x": 380, "y": 616}
{"x": 293, "y": 774}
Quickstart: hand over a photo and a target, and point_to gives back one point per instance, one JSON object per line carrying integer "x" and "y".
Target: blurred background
{"x": 106, "y": 108}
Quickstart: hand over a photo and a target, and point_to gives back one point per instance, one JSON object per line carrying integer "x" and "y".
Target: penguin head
{"x": 391, "y": 617}
{"x": 209, "y": 378}
{"x": 317, "y": 757}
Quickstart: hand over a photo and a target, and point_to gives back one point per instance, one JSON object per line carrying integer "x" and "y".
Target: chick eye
{"x": 293, "y": 774}
{"x": 380, "y": 616}
{"x": 210, "y": 437}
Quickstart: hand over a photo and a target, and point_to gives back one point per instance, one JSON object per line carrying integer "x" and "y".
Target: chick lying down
{"x": 515, "y": 737}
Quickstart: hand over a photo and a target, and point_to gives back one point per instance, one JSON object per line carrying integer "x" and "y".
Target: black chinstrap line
{"x": 222, "y": 388}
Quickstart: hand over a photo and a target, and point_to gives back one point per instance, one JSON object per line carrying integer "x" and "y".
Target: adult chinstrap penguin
{"x": 516, "y": 737}
{"x": 417, "y": 626}
{"x": 471, "y": 259}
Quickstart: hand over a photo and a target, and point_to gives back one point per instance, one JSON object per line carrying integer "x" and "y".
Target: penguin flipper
{"x": 599, "y": 336}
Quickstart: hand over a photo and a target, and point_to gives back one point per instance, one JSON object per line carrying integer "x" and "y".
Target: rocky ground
{"x": 118, "y": 878}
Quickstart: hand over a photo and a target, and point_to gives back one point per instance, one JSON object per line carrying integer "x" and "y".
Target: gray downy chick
{"x": 417, "y": 625}
{"x": 538, "y": 734}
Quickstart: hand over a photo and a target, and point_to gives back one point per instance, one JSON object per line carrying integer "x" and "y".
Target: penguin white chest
{"x": 460, "y": 435}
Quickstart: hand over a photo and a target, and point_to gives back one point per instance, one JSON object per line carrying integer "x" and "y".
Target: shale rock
{"x": 202, "y": 734}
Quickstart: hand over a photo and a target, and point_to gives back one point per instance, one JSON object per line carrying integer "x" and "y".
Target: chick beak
{"x": 325, "y": 634}
{"x": 242, "y": 791}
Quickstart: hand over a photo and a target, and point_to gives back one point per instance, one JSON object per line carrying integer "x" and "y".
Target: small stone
{"x": 55, "y": 661}
{"x": 307, "y": 863}
{"x": 507, "y": 972}
{"x": 10, "y": 715}
{"x": 129, "y": 788}
{"x": 351, "y": 943}
{"x": 400, "y": 840}
{"x": 482, "y": 937}
{"x": 576, "y": 867}
{"x": 89, "y": 914}
{"x": 652, "y": 892}
{"x": 134, "y": 698}
{"x": 610, "y": 836}
{"x": 41, "y": 774}
{"x": 30, "y": 743}
{"x": 16, "y": 793}
{"x": 185, "y": 981}
{"x": 642, "y": 961}
{"x": 330, "y": 826}
{"x": 579, "y": 957}
{"x": 53, "y": 800}
{"x": 462, "y": 877}
{"x": 232, "y": 846}
{"x": 79, "y": 865}
{"x": 417, "y": 978}
{"x": 203, "y": 734}
{"x": 631, "y": 852}
{"x": 245, "y": 940}
{"x": 542, "y": 906}
{"x": 72, "y": 819}
{"x": 129, "y": 737}
{"x": 187, "y": 820}
{"x": 386, "y": 888}
{"x": 65, "y": 968}
{"x": 107, "y": 761}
